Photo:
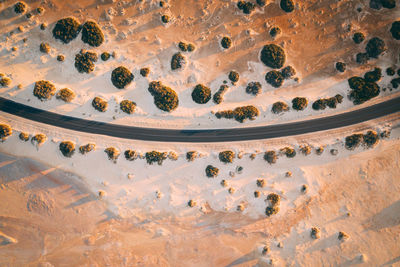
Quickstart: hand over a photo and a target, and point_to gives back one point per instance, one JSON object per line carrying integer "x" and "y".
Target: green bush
{"x": 87, "y": 148}
{"x": 362, "y": 90}
{"x": 44, "y": 90}
{"x": 390, "y": 71}
{"x": 270, "y": 157}
{"x": 226, "y": 156}
{"x": 395, "y": 30}
{"x": 358, "y": 37}
{"x": 92, "y": 34}
{"x": 191, "y": 155}
{"x": 178, "y": 61}
{"x": 67, "y": 148}
{"x": 253, "y": 88}
{"x": 226, "y": 42}
{"x": 155, "y": 156}
{"x": 375, "y": 47}
{"x": 20, "y": 7}
{"x": 279, "y": 107}
{"x": 165, "y": 98}
{"x": 131, "y": 155}
{"x": 84, "y": 61}
{"x": 273, "y": 56}
{"x": 211, "y": 171}
{"x": 23, "y": 136}
{"x": 121, "y": 77}
{"x": 299, "y": 103}
{"x": 99, "y": 104}
{"x": 183, "y": 46}
{"x": 5, "y": 132}
{"x": 201, "y": 94}
{"x": 112, "y": 153}
{"x": 287, "y": 5}
{"x": 66, "y": 95}
{"x": 127, "y": 106}
{"x": 274, "y": 78}
{"x": 38, "y": 139}
{"x": 66, "y": 29}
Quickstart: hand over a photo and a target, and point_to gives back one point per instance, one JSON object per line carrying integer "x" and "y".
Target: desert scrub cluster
{"x": 273, "y": 205}
{"x": 395, "y": 30}
{"x": 253, "y": 88}
{"x": 191, "y": 155}
{"x": 155, "y": 156}
{"x": 5, "y": 81}
{"x": 145, "y": 72}
{"x": 92, "y": 34}
{"x": 20, "y": 7}
{"x": 66, "y": 29}
{"x": 374, "y": 75}
{"x": 378, "y": 4}
{"x": 330, "y": 102}
{"x": 279, "y": 107}
{"x": 246, "y": 7}
{"x": 5, "y": 132}
{"x": 23, "y": 136}
{"x": 240, "y": 114}
{"x": 226, "y": 156}
{"x": 121, "y": 77}
{"x": 130, "y": 155}
{"x": 186, "y": 47}
{"x": 127, "y": 106}
{"x": 211, "y": 171}
{"x": 112, "y": 153}
{"x": 165, "y": 98}
{"x": 38, "y": 139}
{"x": 44, "y": 48}
{"x": 288, "y": 151}
{"x": 270, "y": 156}
{"x": 201, "y": 94}
{"x": 375, "y": 47}
{"x": 99, "y": 104}
{"x": 369, "y": 139}
{"x": 362, "y": 90}
{"x": 178, "y": 61}
{"x": 218, "y": 97}
{"x": 44, "y": 90}
{"x": 67, "y": 148}
{"x": 299, "y": 103}
{"x": 66, "y": 95}
{"x": 233, "y": 76}
{"x": 84, "y": 61}
{"x": 83, "y": 149}
{"x": 226, "y": 42}
{"x": 273, "y": 56}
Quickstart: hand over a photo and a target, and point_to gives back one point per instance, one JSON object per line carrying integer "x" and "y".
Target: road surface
{"x": 202, "y": 136}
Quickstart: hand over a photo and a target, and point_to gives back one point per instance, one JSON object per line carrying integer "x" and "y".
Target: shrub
{"x": 66, "y": 95}
{"x": 226, "y": 42}
{"x": 44, "y": 90}
{"x": 87, "y": 148}
{"x": 20, "y": 7}
{"x": 304, "y": 189}
{"x": 67, "y": 148}
{"x": 227, "y": 114}
{"x": 38, "y": 139}
{"x": 334, "y": 152}
{"x": 201, "y": 94}
{"x": 256, "y": 194}
{"x": 66, "y": 29}
{"x": 246, "y": 112}
{"x": 275, "y": 31}
{"x": 332, "y": 102}
{"x": 233, "y": 76}
{"x": 353, "y": 141}
{"x": 375, "y": 47}
{"x": 84, "y": 61}
{"x": 340, "y": 66}
{"x": 270, "y": 157}
{"x": 5, "y": 132}
{"x": 288, "y": 72}
{"x": 99, "y": 104}
{"x": 246, "y": 7}
{"x": 339, "y": 98}
{"x": 287, "y": 5}
{"x": 231, "y": 190}
{"x": 279, "y": 107}
{"x": 362, "y": 58}
{"x": 172, "y": 155}
{"x": 211, "y": 171}
{"x": 271, "y": 210}
{"x": 112, "y": 153}
{"x": 60, "y": 58}
{"x": 274, "y": 78}
{"x": 395, "y": 30}
{"x": 273, "y": 56}
{"x": 127, "y": 106}
{"x": 155, "y": 156}
{"x": 219, "y": 95}
{"x": 131, "y": 155}
{"x": 121, "y": 77}
{"x": 165, "y": 18}
{"x": 105, "y": 56}
{"x": 388, "y": 3}
{"x": 144, "y": 72}
{"x": 191, "y": 155}
{"x": 183, "y": 46}
{"x": 226, "y": 156}
{"x": 44, "y": 48}
{"x": 5, "y": 81}
{"x": 178, "y": 61}
{"x": 390, "y": 71}
{"x": 192, "y": 203}
{"x": 305, "y": 149}
{"x": 165, "y": 98}
{"x": 191, "y": 47}
{"x": 319, "y": 104}
{"x": 253, "y": 88}
{"x": 289, "y": 152}
{"x": 260, "y": 183}
{"x": 370, "y": 139}
{"x": 362, "y": 90}
{"x": 374, "y": 75}
{"x": 92, "y": 34}
{"x": 23, "y": 136}
{"x": 358, "y": 37}
{"x": 395, "y": 82}
{"x": 299, "y": 103}
{"x": 274, "y": 199}
{"x": 319, "y": 150}
{"x": 342, "y": 236}
{"x": 261, "y": 2}
{"x": 315, "y": 233}
{"x": 224, "y": 183}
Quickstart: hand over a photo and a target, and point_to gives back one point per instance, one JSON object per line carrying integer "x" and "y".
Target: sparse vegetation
{"x": 66, "y": 29}
{"x": 375, "y": 47}
{"x": 121, "y": 77}
{"x": 155, "y": 156}
{"x": 87, "y": 148}
{"x": 5, "y": 132}
{"x": 131, "y": 155}
{"x": 201, "y": 94}
{"x": 127, "y": 106}
{"x": 340, "y": 66}
{"x": 358, "y": 37}
{"x": 270, "y": 157}
{"x": 44, "y": 90}
{"x": 112, "y": 153}
{"x": 191, "y": 155}
{"x": 219, "y": 95}
{"x": 279, "y": 107}
{"x": 144, "y": 72}
{"x": 226, "y": 42}
{"x": 287, "y": 5}
{"x": 274, "y": 78}
{"x": 38, "y": 139}
{"x": 240, "y": 113}
{"x": 273, "y": 56}
{"x": 67, "y": 148}
{"x": 165, "y": 98}
{"x": 84, "y": 61}
{"x": 66, "y": 95}
{"x": 20, "y": 7}
{"x": 22, "y": 136}
{"x": 289, "y": 152}
{"x": 92, "y": 34}
{"x": 178, "y": 61}
{"x": 395, "y": 30}
{"x": 253, "y": 88}
{"x": 100, "y": 104}
{"x": 226, "y": 156}
{"x": 233, "y": 76}
{"x": 44, "y": 48}
{"x": 211, "y": 171}
{"x": 362, "y": 90}
{"x": 299, "y": 103}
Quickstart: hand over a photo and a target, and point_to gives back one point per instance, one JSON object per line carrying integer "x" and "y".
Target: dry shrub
{"x": 66, "y": 29}
{"x": 112, "y": 153}
{"x": 99, "y": 104}
{"x": 155, "y": 156}
{"x": 67, "y": 148}
{"x": 289, "y": 152}
{"x": 127, "y": 106}
{"x": 211, "y": 171}
{"x": 274, "y": 199}
{"x": 299, "y": 103}
{"x": 191, "y": 155}
{"x": 5, "y": 132}
{"x": 92, "y": 34}
{"x": 121, "y": 77}
{"x": 273, "y": 56}
{"x": 131, "y": 155}
{"x": 23, "y": 136}
{"x": 279, "y": 107}
{"x": 270, "y": 157}
{"x": 305, "y": 149}
{"x": 165, "y": 98}
{"x": 178, "y": 61}
{"x": 39, "y": 139}
{"x": 201, "y": 94}
{"x": 87, "y": 148}
{"x": 226, "y": 156}
{"x": 44, "y": 90}
{"x": 65, "y": 94}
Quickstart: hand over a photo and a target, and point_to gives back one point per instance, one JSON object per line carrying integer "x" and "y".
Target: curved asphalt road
{"x": 203, "y": 136}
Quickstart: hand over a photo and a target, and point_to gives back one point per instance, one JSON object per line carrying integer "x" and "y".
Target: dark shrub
{"x": 67, "y": 148}
{"x": 375, "y": 47}
{"x": 370, "y": 139}
{"x": 273, "y": 56}
{"x": 270, "y": 157}
{"x": 315, "y": 233}
{"x": 191, "y": 155}
{"x": 44, "y": 48}
{"x": 165, "y": 18}
{"x": 375, "y": 4}
{"x": 92, "y": 34}
{"x": 60, "y": 58}
{"x": 233, "y": 76}
{"x": 271, "y": 210}
{"x": 20, "y": 7}
{"x": 395, "y": 30}
{"x": 127, "y": 106}
{"x": 340, "y": 66}
{"x": 248, "y": 7}
{"x": 353, "y": 141}
{"x": 342, "y": 236}
{"x": 155, "y": 156}
{"x": 191, "y": 48}
{"x": 279, "y": 107}
{"x": 331, "y": 102}
{"x": 305, "y": 149}
{"x": 226, "y": 156}
{"x": 274, "y": 199}
{"x": 289, "y": 152}
{"x": 388, "y": 3}
{"x": 287, "y": 5}
{"x": 288, "y": 72}
{"x": 183, "y": 46}
{"x": 99, "y": 104}
{"x": 165, "y": 98}
{"x": 87, "y": 148}
{"x": 218, "y": 96}
{"x": 358, "y": 37}
{"x": 373, "y": 76}
{"x": 261, "y": 2}
{"x": 212, "y": 171}
{"x": 22, "y": 136}
{"x": 362, "y": 58}
{"x": 130, "y": 155}
{"x": 299, "y": 103}
{"x": 5, "y": 81}
{"x": 274, "y": 78}
{"x": 112, "y": 153}
{"x": 144, "y": 72}
{"x": 43, "y": 26}
{"x": 390, "y": 71}
{"x": 227, "y": 114}
{"x": 253, "y": 88}
{"x": 38, "y": 139}
{"x": 275, "y": 31}
{"x": 201, "y": 94}
{"x": 339, "y": 98}
{"x": 84, "y": 61}
{"x": 362, "y": 90}
{"x": 256, "y": 194}
{"x": 260, "y": 183}
{"x": 395, "y": 83}
{"x": 319, "y": 150}
{"x": 44, "y": 90}
{"x": 178, "y": 61}
{"x": 66, "y": 95}
{"x": 319, "y": 104}
{"x": 192, "y": 203}
{"x": 246, "y": 112}
{"x": 66, "y": 29}
{"x": 226, "y": 42}
{"x": 105, "y": 56}
{"x": 5, "y": 132}
{"x": 241, "y": 4}
{"x": 121, "y": 77}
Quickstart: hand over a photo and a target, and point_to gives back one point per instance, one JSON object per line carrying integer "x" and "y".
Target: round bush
{"x": 390, "y": 71}
{"x": 362, "y": 90}
{"x": 155, "y": 156}
{"x": 105, "y": 56}
{"x": 226, "y": 156}
{"x": 178, "y": 61}
{"x": 288, "y": 72}
{"x": 274, "y": 78}
{"x": 84, "y": 61}
{"x": 287, "y": 5}
{"x": 274, "y": 199}
{"x": 191, "y": 48}
{"x": 340, "y": 66}
{"x": 299, "y": 103}
{"x": 226, "y": 42}
{"x": 289, "y": 152}
{"x": 66, "y": 29}
{"x": 5, "y": 132}
{"x": 246, "y": 112}
{"x": 165, "y": 98}
{"x": 183, "y": 46}
{"x": 23, "y": 136}
{"x": 65, "y": 94}
{"x": 44, "y": 48}
{"x": 279, "y": 107}
{"x": 261, "y": 2}
{"x": 395, "y": 30}
{"x": 273, "y": 56}
{"x": 121, "y": 77}
{"x": 130, "y": 155}
{"x": 112, "y": 153}
{"x": 253, "y": 88}
{"x": 362, "y": 58}
{"x": 60, "y": 58}
{"x": 211, "y": 171}
{"x": 44, "y": 90}
{"x": 275, "y": 31}
{"x": 165, "y": 18}
{"x": 201, "y": 94}
{"x": 20, "y": 7}
{"x": 271, "y": 210}
{"x": 375, "y": 47}
{"x": 219, "y": 95}
{"x": 87, "y": 148}
{"x": 67, "y": 148}
{"x": 358, "y": 37}
{"x": 373, "y": 76}
{"x": 233, "y": 76}
{"x": 127, "y": 106}
{"x": 92, "y": 34}
{"x": 246, "y": 7}
{"x": 144, "y": 72}
{"x": 99, "y": 104}
{"x": 38, "y": 139}
{"x": 5, "y": 81}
